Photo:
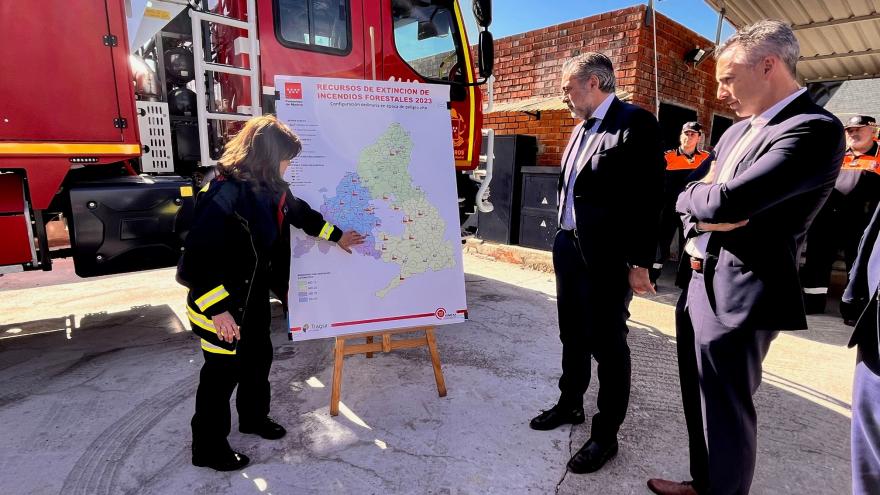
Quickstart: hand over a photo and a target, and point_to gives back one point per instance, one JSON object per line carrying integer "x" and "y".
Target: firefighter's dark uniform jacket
{"x": 681, "y": 170}
{"x": 239, "y": 241}
{"x": 840, "y": 224}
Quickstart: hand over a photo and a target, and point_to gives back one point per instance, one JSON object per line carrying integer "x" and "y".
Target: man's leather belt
{"x": 697, "y": 264}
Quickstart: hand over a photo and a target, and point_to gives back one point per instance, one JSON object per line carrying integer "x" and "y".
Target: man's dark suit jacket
{"x": 618, "y": 192}
{"x": 857, "y": 294}
{"x": 779, "y": 185}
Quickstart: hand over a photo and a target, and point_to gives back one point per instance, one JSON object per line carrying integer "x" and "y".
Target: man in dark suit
{"x": 745, "y": 225}
{"x": 610, "y": 195}
{"x": 862, "y": 297}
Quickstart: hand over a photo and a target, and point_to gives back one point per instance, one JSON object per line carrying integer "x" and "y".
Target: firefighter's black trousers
{"x": 248, "y": 368}
{"x": 839, "y": 225}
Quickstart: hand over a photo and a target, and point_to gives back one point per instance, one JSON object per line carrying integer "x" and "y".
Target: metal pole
{"x": 254, "y": 60}
{"x": 720, "y": 23}
{"x": 201, "y": 107}
{"x": 656, "y": 68}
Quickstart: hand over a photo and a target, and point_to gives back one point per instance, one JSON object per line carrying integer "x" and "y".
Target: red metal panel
{"x": 11, "y": 194}
{"x": 44, "y": 175}
{"x": 122, "y": 67}
{"x": 277, "y": 59}
{"x": 59, "y": 82}
{"x": 16, "y": 245}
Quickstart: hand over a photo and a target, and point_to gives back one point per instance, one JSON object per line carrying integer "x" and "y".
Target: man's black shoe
{"x": 557, "y": 416}
{"x": 592, "y": 456}
{"x": 226, "y": 461}
{"x": 266, "y": 428}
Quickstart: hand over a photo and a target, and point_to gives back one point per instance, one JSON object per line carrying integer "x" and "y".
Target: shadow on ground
{"x": 501, "y": 369}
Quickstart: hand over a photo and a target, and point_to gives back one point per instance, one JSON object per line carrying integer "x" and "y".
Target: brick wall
{"x": 681, "y": 83}
{"x": 552, "y": 130}
{"x": 528, "y": 65}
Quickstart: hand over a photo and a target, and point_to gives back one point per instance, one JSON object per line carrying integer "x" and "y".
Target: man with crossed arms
{"x": 745, "y": 226}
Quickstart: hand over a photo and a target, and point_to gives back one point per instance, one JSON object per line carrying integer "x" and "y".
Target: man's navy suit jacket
{"x": 858, "y": 293}
{"x": 779, "y": 185}
{"x": 618, "y": 192}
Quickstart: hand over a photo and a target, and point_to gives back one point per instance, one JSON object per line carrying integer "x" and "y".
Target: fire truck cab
{"x": 111, "y": 111}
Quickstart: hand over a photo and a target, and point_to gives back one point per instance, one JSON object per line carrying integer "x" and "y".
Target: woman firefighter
{"x": 236, "y": 251}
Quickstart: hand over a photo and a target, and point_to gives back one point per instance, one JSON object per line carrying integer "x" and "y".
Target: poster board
{"x": 377, "y": 158}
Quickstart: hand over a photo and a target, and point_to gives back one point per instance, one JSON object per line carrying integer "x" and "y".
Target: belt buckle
{"x": 696, "y": 264}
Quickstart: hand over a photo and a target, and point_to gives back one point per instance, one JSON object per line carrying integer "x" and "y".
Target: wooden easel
{"x": 386, "y": 344}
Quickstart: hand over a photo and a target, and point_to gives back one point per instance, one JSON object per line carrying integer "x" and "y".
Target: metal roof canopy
{"x": 840, "y": 39}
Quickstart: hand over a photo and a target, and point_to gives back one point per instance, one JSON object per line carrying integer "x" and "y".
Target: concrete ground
{"x": 97, "y": 379}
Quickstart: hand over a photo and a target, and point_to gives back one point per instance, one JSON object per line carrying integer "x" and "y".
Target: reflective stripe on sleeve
{"x": 200, "y": 320}
{"x": 815, "y": 290}
{"x": 207, "y": 346}
{"x": 327, "y": 231}
{"x": 212, "y": 297}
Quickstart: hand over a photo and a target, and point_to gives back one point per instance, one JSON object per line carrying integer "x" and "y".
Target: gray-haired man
{"x": 610, "y": 195}
{"x": 745, "y": 227}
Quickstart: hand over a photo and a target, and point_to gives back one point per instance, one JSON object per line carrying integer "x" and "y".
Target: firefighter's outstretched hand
{"x": 226, "y": 327}
{"x": 349, "y": 239}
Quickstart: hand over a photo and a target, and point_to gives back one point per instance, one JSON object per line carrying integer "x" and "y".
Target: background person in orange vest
{"x": 684, "y": 164}
{"x": 845, "y": 215}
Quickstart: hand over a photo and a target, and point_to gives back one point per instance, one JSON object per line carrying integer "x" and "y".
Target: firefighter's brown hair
{"x": 254, "y": 154}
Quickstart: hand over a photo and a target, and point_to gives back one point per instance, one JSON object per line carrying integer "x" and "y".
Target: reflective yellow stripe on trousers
{"x": 209, "y": 347}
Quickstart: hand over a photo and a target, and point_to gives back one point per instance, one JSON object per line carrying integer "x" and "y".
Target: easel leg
{"x": 335, "y": 388}
{"x": 369, "y": 341}
{"x": 435, "y": 360}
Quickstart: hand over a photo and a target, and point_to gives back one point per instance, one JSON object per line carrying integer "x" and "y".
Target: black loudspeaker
{"x": 511, "y": 154}
{"x": 538, "y": 220}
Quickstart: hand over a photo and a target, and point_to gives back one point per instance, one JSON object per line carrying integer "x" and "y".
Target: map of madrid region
{"x": 377, "y": 158}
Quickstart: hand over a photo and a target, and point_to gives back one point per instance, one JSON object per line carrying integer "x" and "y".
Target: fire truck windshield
{"x": 428, "y": 38}
{"x": 321, "y": 25}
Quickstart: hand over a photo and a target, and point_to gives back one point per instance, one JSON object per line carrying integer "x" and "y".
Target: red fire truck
{"x": 112, "y": 110}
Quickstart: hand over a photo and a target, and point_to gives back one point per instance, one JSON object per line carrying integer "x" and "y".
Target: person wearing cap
{"x": 845, "y": 215}
{"x": 684, "y": 164}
